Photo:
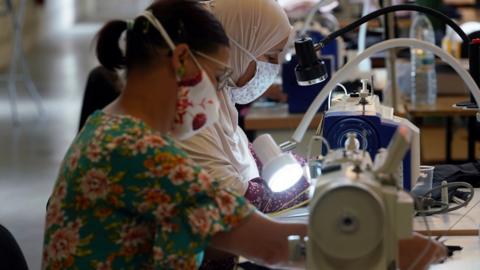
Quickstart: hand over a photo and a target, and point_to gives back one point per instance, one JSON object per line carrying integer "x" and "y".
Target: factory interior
{"x": 240, "y": 134}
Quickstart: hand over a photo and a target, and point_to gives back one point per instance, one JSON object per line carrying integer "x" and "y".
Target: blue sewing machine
{"x": 374, "y": 126}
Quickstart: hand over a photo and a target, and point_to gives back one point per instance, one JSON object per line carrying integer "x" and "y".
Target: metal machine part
{"x": 374, "y": 125}
{"x": 356, "y": 217}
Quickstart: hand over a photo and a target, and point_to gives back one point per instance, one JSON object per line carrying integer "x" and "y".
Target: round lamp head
{"x": 280, "y": 170}
{"x": 310, "y": 70}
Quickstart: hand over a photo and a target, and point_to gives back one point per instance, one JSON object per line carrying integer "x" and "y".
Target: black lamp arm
{"x": 383, "y": 11}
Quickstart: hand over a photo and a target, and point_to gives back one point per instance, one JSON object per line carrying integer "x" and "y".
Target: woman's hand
{"x": 410, "y": 249}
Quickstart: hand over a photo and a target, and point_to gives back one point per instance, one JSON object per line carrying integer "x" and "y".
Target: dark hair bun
{"x": 108, "y": 49}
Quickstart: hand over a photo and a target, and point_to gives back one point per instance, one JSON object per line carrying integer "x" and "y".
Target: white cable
{"x": 310, "y": 144}
{"x": 346, "y": 70}
{"x": 366, "y": 64}
{"x": 330, "y": 95}
{"x": 445, "y": 207}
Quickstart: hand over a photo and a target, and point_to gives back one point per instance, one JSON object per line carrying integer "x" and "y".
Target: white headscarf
{"x": 256, "y": 25}
{"x": 222, "y": 149}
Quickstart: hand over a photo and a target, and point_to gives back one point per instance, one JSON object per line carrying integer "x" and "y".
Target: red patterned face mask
{"x": 197, "y": 107}
{"x": 197, "y": 104}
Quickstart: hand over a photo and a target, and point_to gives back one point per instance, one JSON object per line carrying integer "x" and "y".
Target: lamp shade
{"x": 280, "y": 170}
{"x": 310, "y": 70}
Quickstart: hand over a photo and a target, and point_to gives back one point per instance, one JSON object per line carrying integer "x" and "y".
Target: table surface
{"x": 438, "y": 224}
{"x": 467, "y": 259}
{"x": 443, "y": 107}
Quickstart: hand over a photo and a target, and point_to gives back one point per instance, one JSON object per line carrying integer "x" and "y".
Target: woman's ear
{"x": 179, "y": 57}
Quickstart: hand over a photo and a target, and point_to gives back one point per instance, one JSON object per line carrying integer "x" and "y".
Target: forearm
{"x": 260, "y": 239}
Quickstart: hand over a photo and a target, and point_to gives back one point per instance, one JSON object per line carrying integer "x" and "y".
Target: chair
{"x": 11, "y": 256}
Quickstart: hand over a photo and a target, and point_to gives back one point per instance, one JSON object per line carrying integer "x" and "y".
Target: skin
{"x": 409, "y": 250}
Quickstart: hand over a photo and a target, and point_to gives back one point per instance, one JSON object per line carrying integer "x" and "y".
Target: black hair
{"x": 186, "y": 21}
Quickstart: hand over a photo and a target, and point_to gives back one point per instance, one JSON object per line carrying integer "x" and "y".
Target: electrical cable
{"x": 446, "y": 209}
{"x": 316, "y": 138}
{"x": 330, "y": 94}
{"x": 383, "y": 11}
{"x": 423, "y": 215}
{"x": 310, "y": 16}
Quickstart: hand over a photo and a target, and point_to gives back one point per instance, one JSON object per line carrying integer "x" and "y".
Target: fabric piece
{"x": 259, "y": 194}
{"x": 128, "y": 198}
{"x": 266, "y": 201}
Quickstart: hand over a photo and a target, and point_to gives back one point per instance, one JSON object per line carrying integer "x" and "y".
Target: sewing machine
{"x": 357, "y": 213}
{"x": 374, "y": 125}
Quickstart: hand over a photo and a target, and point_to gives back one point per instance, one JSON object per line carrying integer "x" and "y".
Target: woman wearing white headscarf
{"x": 258, "y": 32}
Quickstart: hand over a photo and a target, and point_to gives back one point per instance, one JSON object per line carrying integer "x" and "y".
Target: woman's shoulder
{"x": 123, "y": 136}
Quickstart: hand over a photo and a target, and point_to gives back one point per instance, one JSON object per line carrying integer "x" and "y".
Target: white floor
{"x": 30, "y": 153}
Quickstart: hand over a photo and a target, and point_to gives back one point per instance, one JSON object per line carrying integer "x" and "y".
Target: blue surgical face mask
{"x": 264, "y": 77}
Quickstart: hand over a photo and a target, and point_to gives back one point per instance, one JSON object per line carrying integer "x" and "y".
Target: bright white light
{"x": 285, "y": 177}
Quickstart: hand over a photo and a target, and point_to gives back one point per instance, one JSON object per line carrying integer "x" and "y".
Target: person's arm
{"x": 264, "y": 241}
{"x": 411, "y": 249}
{"x": 260, "y": 239}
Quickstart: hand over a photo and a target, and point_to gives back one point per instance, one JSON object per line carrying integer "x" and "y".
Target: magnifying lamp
{"x": 280, "y": 170}
{"x": 311, "y": 70}
{"x": 304, "y": 71}
{"x": 344, "y": 72}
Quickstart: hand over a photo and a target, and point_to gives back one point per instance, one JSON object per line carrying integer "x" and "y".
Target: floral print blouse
{"x": 127, "y": 198}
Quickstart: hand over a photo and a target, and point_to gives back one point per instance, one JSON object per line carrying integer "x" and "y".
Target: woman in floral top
{"x": 126, "y": 196}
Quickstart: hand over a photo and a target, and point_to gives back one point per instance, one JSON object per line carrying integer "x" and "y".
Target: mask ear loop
{"x": 151, "y": 18}
{"x": 243, "y": 49}
{"x": 233, "y": 84}
{"x": 158, "y": 25}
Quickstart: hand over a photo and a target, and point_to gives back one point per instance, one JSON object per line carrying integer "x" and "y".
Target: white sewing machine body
{"x": 355, "y": 220}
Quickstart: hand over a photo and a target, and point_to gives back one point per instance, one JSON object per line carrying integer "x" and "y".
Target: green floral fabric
{"x": 127, "y": 198}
